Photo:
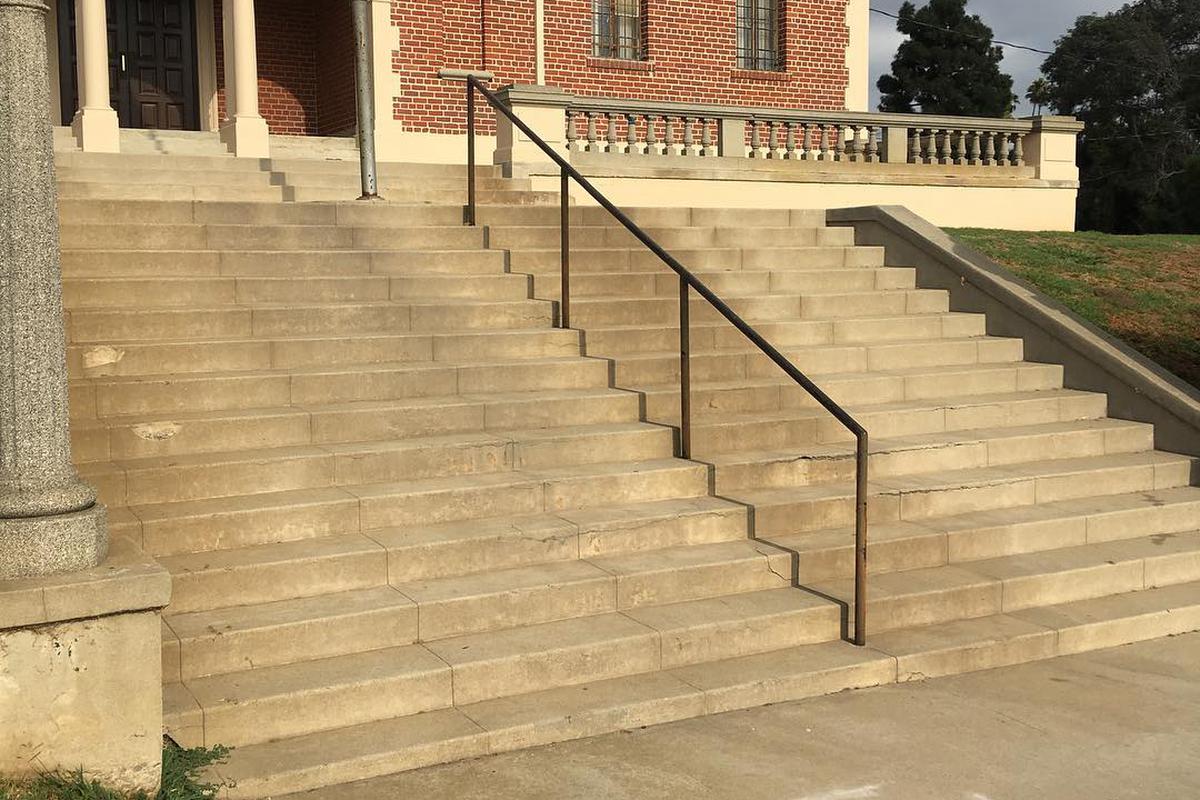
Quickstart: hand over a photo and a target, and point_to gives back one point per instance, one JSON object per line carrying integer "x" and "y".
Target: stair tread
{"x": 1015, "y": 567}
{"x": 282, "y": 613}
{"x": 965, "y": 478}
{"x": 1079, "y": 509}
{"x": 891, "y": 444}
{"x": 350, "y": 368}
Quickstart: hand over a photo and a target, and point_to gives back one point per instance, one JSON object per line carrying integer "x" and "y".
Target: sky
{"x": 1036, "y": 23}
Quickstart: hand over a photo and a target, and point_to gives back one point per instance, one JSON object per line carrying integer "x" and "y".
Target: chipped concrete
{"x": 157, "y": 431}
{"x": 1112, "y": 724}
{"x": 102, "y": 356}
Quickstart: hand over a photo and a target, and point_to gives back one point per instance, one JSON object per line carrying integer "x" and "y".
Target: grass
{"x": 180, "y": 781}
{"x": 1142, "y": 289}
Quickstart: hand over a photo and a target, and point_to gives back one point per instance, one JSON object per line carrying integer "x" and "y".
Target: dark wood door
{"x": 152, "y": 63}
{"x": 160, "y": 64}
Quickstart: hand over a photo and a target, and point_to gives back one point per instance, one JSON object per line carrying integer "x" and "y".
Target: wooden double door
{"x": 151, "y": 63}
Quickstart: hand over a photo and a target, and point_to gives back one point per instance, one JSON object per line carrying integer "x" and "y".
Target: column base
{"x": 247, "y": 137}
{"x": 35, "y": 546}
{"x": 97, "y": 130}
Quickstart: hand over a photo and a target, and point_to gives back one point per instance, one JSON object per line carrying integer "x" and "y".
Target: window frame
{"x": 618, "y": 31}
{"x": 758, "y": 20}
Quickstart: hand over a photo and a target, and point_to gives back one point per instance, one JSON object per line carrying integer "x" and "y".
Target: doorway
{"x": 151, "y": 63}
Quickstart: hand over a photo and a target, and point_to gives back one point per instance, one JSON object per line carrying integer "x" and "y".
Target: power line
{"x": 1014, "y": 45}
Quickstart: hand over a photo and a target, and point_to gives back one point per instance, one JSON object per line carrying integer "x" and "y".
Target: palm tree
{"x": 1039, "y": 94}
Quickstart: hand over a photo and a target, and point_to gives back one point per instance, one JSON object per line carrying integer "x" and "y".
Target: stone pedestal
{"x": 80, "y": 641}
{"x": 81, "y": 672}
{"x": 543, "y": 109}
{"x": 1051, "y": 148}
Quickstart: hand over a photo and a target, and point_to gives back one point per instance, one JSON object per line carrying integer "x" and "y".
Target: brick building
{"x": 167, "y": 64}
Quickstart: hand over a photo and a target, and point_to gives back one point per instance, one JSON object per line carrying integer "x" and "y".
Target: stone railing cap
{"x": 462, "y": 74}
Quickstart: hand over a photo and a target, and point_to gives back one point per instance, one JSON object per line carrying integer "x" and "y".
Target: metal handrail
{"x": 686, "y": 281}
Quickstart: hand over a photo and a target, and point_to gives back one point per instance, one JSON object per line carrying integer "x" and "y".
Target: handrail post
{"x": 470, "y": 212}
{"x": 685, "y": 371}
{"x": 565, "y": 243}
{"x": 861, "y": 464}
{"x": 364, "y": 86}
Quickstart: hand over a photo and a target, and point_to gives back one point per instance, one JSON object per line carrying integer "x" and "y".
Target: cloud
{"x": 1037, "y": 23}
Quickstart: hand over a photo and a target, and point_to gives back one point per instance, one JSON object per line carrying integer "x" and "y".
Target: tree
{"x": 948, "y": 64}
{"x": 1039, "y": 94}
{"x": 1133, "y": 77}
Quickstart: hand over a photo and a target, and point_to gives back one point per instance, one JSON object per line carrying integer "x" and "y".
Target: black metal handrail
{"x": 686, "y": 281}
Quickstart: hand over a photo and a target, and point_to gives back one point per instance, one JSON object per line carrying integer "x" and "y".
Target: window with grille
{"x": 758, "y": 34}
{"x": 617, "y": 29}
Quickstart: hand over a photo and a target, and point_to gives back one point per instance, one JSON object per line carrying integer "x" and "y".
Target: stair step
{"x": 808, "y": 462}
{"x": 937, "y": 494}
{"x": 1015, "y": 583}
{"x": 286, "y": 631}
{"x": 425, "y": 552}
{"x": 829, "y": 554}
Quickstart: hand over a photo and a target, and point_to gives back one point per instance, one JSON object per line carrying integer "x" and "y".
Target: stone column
{"x": 95, "y": 123}
{"x": 244, "y": 130}
{"x": 49, "y": 519}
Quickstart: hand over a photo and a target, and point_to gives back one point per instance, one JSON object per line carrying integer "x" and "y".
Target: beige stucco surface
{"x": 1011, "y": 207}
{"x": 84, "y": 693}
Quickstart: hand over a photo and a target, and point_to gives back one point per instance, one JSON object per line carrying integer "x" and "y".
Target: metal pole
{"x": 565, "y": 226}
{"x": 860, "y": 540}
{"x": 364, "y": 86}
{"x": 685, "y": 372}
{"x": 470, "y": 214}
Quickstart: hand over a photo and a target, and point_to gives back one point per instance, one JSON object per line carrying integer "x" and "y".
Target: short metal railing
{"x": 687, "y": 283}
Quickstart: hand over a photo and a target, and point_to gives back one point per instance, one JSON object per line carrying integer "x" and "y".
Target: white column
{"x": 244, "y": 130}
{"x": 858, "y": 55}
{"x": 95, "y": 123}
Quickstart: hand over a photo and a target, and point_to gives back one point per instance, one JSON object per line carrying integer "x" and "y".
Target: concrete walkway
{"x": 1122, "y": 723}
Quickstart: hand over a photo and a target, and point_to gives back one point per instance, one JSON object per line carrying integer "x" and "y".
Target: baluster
{"x": 1001, "y": 149}
{"x": 810, "y": 144}
{"x": 823, "y": 144}
{"x": 572, "y": 134}
{"x": 669, "y": 135}
{"x": 1018, "y": 149}
{"x": 611, "y": 133}
{"x": 689, "y": 137}
{"x": 593, "y": 143}
{"x": 960, "y": 147}
{"x": 858, "y": 145}
{"x": 914, "y": 146}
{"x": 755, "y": 139}
{"x": 872, "y": 145}
{"x": 973, "y": 140}
{"x": 988, "y": 150}
{"x": 943, "y": 143}
{"x": 707, "y": 140}
{"x": 789, "y": 143}
{"x": 652, "y": 148}
{"x": 631, "y": 139}
{"x": 845, "y": 135}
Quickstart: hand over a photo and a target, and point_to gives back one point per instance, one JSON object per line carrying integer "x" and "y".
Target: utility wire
{"x": 1014, "y": 45}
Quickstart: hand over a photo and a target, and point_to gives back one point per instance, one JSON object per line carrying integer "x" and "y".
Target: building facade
{"x": 166, "y": 60}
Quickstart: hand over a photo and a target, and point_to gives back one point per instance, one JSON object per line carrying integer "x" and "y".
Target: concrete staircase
{"x": 409, "y": 521}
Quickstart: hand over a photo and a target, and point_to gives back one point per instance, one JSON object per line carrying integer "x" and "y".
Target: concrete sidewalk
{"x": 1122, "y": 723}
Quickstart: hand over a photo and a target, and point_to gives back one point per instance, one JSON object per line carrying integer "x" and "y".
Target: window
{"x": 617, "y": 29}
{"x": 758, "y": 34}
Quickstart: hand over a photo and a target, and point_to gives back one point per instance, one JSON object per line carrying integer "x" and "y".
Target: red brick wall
{"x": 335, "y": 68}
{"x": 302, "y": 77}
{"x": 691, "y": 53}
